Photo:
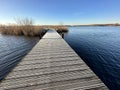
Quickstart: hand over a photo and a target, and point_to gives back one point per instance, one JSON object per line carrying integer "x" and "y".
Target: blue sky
{"x": 61, "y": 11}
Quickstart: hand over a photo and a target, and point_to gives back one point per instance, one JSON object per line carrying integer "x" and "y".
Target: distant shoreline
{"x": 95, "y": 25}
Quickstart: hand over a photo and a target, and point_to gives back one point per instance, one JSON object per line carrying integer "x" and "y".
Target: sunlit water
{"x": 12, "y": 50}
{"x": 99, "y": 47}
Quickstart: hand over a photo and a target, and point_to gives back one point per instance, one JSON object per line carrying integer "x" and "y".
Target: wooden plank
{"x": 52, "y": 34}
{"x": 52, "y": 65}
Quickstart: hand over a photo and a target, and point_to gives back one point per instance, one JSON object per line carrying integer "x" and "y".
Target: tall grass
{"x": 21, "y": 30}
{"x": 58, "y": 28}
{"x": 25, "y": 27}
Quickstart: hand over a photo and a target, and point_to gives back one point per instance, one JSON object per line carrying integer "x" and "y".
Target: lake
{"x": 12, "y": 50}
{"x": 99, "y": 47}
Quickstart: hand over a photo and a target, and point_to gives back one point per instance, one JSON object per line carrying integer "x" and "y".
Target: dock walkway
{"x": 52, "y": 65}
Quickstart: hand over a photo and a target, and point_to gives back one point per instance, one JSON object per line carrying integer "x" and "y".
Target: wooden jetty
{"x": 52, "y": 65}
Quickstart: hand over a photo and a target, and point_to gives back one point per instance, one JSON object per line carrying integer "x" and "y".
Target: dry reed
{"x": 26, "y": 27}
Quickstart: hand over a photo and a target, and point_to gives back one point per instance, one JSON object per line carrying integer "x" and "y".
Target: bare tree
{"x": 24, "y": 21}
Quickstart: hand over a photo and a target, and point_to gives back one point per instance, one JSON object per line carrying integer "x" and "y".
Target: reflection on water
{"x": 12, "y": 50}
{"x": 63, "y": 34}
{"x": 99, "y": 47}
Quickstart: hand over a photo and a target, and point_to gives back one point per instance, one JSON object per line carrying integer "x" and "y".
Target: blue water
{"x": 99, "y": 47}
{"x": 12, "y": 50}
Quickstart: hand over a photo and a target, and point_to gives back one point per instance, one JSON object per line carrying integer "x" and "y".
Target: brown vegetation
{"x": 26, "y": 27}
{"x": 58, "y": 28}
{"x": 21, "y": 30}
{"x": 29, "y": 30}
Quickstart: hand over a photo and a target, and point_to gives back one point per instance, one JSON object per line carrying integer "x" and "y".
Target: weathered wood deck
{"x": 52, "y": 65}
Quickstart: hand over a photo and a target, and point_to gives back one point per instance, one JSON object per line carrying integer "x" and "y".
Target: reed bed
{"x": 24, "y": 26}
{"x": 21, "y": 30}
{"x": 58, "y": 28}
{"x": 28, "y": 30}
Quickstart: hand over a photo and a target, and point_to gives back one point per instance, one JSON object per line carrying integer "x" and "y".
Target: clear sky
{"x": 61, "y": 11}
